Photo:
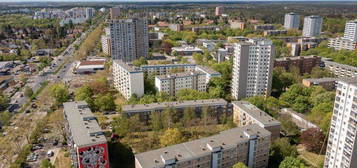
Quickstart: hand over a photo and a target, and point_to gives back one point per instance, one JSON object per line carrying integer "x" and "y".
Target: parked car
{"x": 50, "y": 153}
{"x": 55, "y": 142}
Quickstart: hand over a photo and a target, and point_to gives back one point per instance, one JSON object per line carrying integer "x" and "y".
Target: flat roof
{"x": 296, "y": 58}
{"x": 127, "y": 67}
{"x": 318, "y": 80}
{"x": 189, "y": 150}
{"x": 166, "y": 65}
{"x": 331, "y": 62}
{"x": 163, "y": 105}
{"x": 257, "y": 114}
{"x": 352, "y": 80}
{"x": 179, "y": 75}
{"x": 207, "y": 70}
{"x": 83, "y": 125}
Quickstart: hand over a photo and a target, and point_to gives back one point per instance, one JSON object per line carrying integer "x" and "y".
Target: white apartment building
{"x": 105, "y": 40}
{"x": 128, "y": 80}
{"x": 129, "y": 39}
{"x": 312, "y": 26}
{"x": 292, "y": 21}
{"x": 341, "y": 146}
{"x": 342, "y": 43}
{"x": 171, "y": 84}
{"x": 252, "y": 68}
{"x": 351, "y": 30}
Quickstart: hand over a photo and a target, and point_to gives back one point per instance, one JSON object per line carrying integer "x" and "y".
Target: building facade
{"x": 326, "y": 83}
{"x": 216, "y": 108}
{"x": 341, "y": 144}
{"x": 304, "y": 63}
{"x": 339, "y": 70}
{"x": 312, "y": 26}
{"x": 129, "y": 39}
{"x": 245, "y": 113}
{"x": 114, "y": 12}
{"x": 342, "y": 44}
{"x": 292, "y": 21}
{"x": 250, "y": 146}
{"x": 172, "y": 84}
{"x": 84, "y": 136}
{"x": 351, "y": 30}
{"x": 264, "y": 27}
{"x": 219, "y": 10}
{"x": 176, "y": 27}
{"x": 252, "y": 68}
{"x": 128, "y": 80}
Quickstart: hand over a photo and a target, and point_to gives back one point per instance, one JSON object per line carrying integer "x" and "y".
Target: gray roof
{"x": 166, "y": 65}
{"x": 296, "y": 58}
{"x": 83, "y": 125}
{"x": 319, "y": 80}
{"x": 259, "y": 116}
{"x": 329, "y": 61}
{"x": 177, "y": 104}
{"x": 352, "y": 80}
{"x": 127, "y": 67}
{"x": 200, "y": 147}
{"x": 179, "y": 75}
{"x": 207, "y": 70}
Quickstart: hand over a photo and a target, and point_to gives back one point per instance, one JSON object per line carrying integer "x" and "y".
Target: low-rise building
{"x": 342, "y": 44}
{"x": 205, "y": 28}
{"x": 128, "y": 80}
{"x": 216, "y": 108}
{"x": 274, "y": 32}
{"x": 171, "y": 84}
{"x": 250, "y": 146}
{"x": 304, "y": 63}
{"x": 85, "y": 137}
{"x": 264, "y": 27}
{"x": 186, "y": 50}
{"x": 245, "y": 113}
{"x": 298, "y": 118}
{"x": 90, "y": 66}
{"x": 234, "y": 24}
{"x": 326, "y": 83}
{"x": 340, "y": 70}
{"x": 176, "y": 27}
{"x": 221, "y": 55}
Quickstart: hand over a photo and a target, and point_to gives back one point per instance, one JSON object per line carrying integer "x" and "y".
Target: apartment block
{"x": 264, "y": 27}
{"x": 312, "y": 26}
{"x": 216, "y": 108}
{"x": 129, "y": 39}
{"x": 105, "y": 40}
{"x": 163, "y": 69}
{"x": 292, "y": 21}
{"x": 205, "y": 28}
{"x": 176, "y": 27}
{"x": 173, "y": 83}
{"x": 245, "y": 113}
{"x": 252, "y": 68}
{"x": 351, "y": 30}
{"x": 250, "y": 146}
{"x": 341, "y": 144}
{"x": 128, "y": 80}
{"x": 304, "y": 63}
{"x": 339, "y": 70}
{"x": 235, "y": 24}
{"x": 298, "y": 118}
{"x": 186, "y": 50}
{"x": 219, "y": 10}
{"x": 274, "y": 32}
{"x": 342, "y": 44}
{"x": 84, "y": 136}
{"x": 114, "y": 12}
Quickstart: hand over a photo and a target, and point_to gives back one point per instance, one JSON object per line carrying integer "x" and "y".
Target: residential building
{"x": 304, "y": 63}
{"x": 326, "y": 83}
{"x": 264, "y": 27}
{"x": 341, "y": 43}
{"x": 129, "y": 39}
{"x": 341, "y": 146}
{"x": 292, "y": 21}
{"x": 106, "y": 44}
{"x": 339, "y": 70}
{"x": 128, "y": 80}
{"x": 216, "y": 107}
{"x": 234, "y": 24}
{"x": 250, "y": 146}
{"x": 186, "y": 50}
{"x": 252, "y": 68}
{"x": 221, "y": 54}
{"x": 205, "y": 28}
{"x": 351, "y": 31}
{"x": 298, "y": 118}
{"x": 274, "y": 32}
{"x": 245, "y": 113}
{"x": 90, "y": 66}
{"x": 89, "y": 13}
{"x": 312, "y": 26}
{"x": 219, "y": 10}
{"x": 114, "y": 12}
{"x": 164, "y": 69}
{"x": 84, "y": 136}
{"x": 295, "y": 48}
{"x": 172, "y": 84}
{"x": 209, "y": 73}
{"x": 176, "y": 27}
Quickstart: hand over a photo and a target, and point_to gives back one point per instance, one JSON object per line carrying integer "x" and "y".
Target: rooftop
{"x": 179, "y": 75}
{"x": 127, "y": 67}
{"x": 163, "y": 105}
{"x": 260, "y": 116}
{"x": 296, "y": 58}
{"x": 331, "y": 62}
{"x": 201, "y": 147}
{"x": 318, "y": 80}
{"x": 83, "y": 124}
{"x": 83, "y": 63}
{"x": 207, "y": 70}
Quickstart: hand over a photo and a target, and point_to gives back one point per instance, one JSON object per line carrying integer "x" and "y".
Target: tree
{"x": 140, "y": 61}
{"x": 313, "y": 140}
{"x": 99, "y": 86}
{"x": 171, "y": 136}
{"x": 239, "y": 165}
{"x": 104, "y": 102}
{"x": 288, "y": 126}
{"x": 4, "y": 101}
{"x": 46, "y": 164}
{"x": 59, "y": 92}
{"x": 156, "y": 121}
{"x": 291, "y": 162}
{"x": 5, "y": 118}
{"x": 188, "y": 116}
{"x": 28, "y": 91}
{"x": 198, "y": 58}
{"x": 280, "y": 149}
{"x": 85, "y": 93}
